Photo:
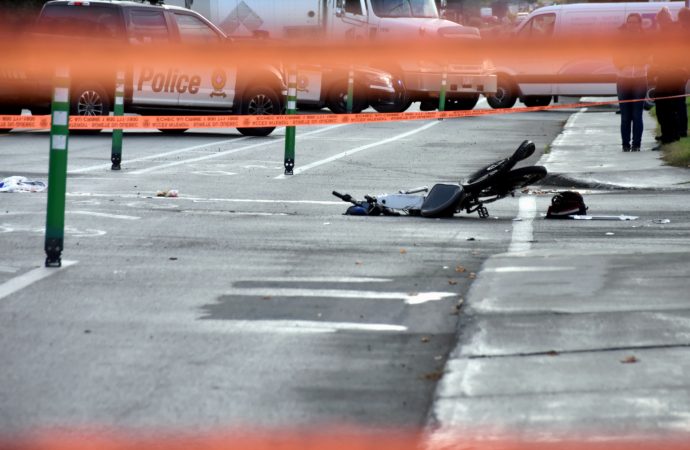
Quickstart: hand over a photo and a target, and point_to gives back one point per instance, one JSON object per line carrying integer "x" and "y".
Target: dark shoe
{"x": 635, "y": 148}
{"x": 656, "y": 148}
{"x": 658, "y": 138}
{"x": 626, "y": 148}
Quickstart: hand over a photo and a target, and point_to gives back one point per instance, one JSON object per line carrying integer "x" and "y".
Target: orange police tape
{"x": 323, "y": 440}
{"x": 235, "y": 121}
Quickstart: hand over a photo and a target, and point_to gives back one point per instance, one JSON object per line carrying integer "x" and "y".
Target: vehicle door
{"x": 588, "y": 72}
{"x": 212, "y": 85}
{"x": 534, "y": 72}
{"x": 349, "y": 20}
{"x": 151, "y": 83}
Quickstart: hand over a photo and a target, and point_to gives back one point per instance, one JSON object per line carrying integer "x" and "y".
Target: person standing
{"x": 684, "y": 30}
{"x": 669, "y": 76}
{"x": 631, "y": 83}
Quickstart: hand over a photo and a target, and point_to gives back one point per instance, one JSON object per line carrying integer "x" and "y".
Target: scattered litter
{"x": 438, "y": 357}
{"x": 326, "y": 223}
{"x": 358, "y": 263}
{"x": 610, "y": 234}
{"x": 661, "y": 221}
{"x": 630, "y": 360}
{"x": 517, "y": 219}
{"x": 446, "y": 267}
{"x": 21, "y": 184}
{"x": 460, "y": 269}
{"x": 552, "y": 353}
{"x": 471, "y": 239}
{"x": 587, "y": 217}
{"x": 472, "y": 276}
{"x": 403, "y": 251}
{"x": 425, "y": 339}
{"x": 173, "y": 258}
{"x": 168, "y": 193}
{"x": 452, "y": 282}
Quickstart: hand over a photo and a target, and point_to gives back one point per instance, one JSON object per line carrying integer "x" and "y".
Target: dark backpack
{"x": 565, "y": 204}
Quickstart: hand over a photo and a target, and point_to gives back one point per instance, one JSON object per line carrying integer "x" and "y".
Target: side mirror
{"x": 339, "y": 8}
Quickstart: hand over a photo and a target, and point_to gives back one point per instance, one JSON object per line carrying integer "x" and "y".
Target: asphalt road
{"x": 250, "y": 299}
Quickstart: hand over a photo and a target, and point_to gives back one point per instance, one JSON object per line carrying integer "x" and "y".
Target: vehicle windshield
{"x": 405, "y": 8}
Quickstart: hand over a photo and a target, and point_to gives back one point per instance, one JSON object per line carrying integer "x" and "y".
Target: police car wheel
{"x": 505, "y": 95}
{"x": 337, "y": 99}
{"x": 260, "y": 101}
{"x": 89, "y": 100}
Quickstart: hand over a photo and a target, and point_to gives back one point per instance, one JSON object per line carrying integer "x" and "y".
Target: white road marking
{"x": 227, "y": 152}
{"x": 308, "y": 326}
{"x": 411, "y": 298}
{"x": 338, "y": 156}
{"x": 105, "y": 215}
{"x": 27, "y": 279}
{"x": 205, "y": 200}
{"x": 162, "y": 155}
{"x": 565, "y": 135}
{"x": 520, "y": 269}
{"x": 521, "y": 240}
{"x": 322, "y": 279}
{"x": 8, "y": 269}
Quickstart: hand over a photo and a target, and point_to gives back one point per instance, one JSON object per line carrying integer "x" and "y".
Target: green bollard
{"x": 57, "y": 175}
{"x": 444, "y": 85}
{"x": 350, "y": 89}
{"x": 118, "y": 110}
{"x": 291, "y": 132}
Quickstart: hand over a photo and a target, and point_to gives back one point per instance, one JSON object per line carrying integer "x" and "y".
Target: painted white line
{"x": 27, "y": 279}
{"x": 162, "y": 155}
{"x": 227, "y": 152}
{"x": 107, "y": 216}
{"x": 521, "y": 240}
{"x": 411, "y": 298}
{"x": 204, "y": 200}
{"x": 565, "y": 135}
{"x": 397, "y": 137}
{"x": 8, "y": 269}
{"x": 322, "y": 279}
{"x": 522, "y": 269}
{"x": 312, "y": 326}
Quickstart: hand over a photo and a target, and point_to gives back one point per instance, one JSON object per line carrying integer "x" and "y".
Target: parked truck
{"x": 365, "y": 20}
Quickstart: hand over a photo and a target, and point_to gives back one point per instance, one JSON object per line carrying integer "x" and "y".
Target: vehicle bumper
{"x": 429, "y": 83}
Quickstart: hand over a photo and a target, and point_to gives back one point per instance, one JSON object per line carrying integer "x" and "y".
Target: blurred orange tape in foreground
{"x": 234, "y": 121}
{"x": 363, "y": 440}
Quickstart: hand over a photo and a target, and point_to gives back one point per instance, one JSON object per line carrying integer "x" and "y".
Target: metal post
{"x": 444, "y": 84}
{"x": 290, "y": 132}
{"x": 350, "y": 89}
{"x": 57, "y": 175}
{"x": 118, "y": 110}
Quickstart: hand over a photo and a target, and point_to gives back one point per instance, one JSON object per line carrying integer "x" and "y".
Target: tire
{"x": 401, "y": 101}
{"x": 487, "y": 175}
{"x": 464, "y": 103}
{"x": 337, "y": 98}
{"x": 514, "y": 180}
{"x": 506, "y": 94}
{"x": 260, "y": 100}
{"x": 89, "y": 100}
{"x": 10, "y": 111}
{"x": 537, "y": 100}
{"x": 172, "y": 131}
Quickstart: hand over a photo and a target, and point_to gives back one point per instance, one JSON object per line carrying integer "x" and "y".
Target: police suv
{"x": 171, "y": 88}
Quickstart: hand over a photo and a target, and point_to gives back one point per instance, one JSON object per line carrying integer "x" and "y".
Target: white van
{"x": 537, "y": 82}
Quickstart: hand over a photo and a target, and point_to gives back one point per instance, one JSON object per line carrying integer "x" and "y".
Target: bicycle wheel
{"x": 487, "y": 175}
{"x": 513, "y": 180}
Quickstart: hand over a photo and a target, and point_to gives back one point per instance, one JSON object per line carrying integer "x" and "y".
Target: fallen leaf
{"x": 403, "y": 251}
{"x": 425, "y": 339}
{"x": 630, "y": 360}
{"x": 433, "y": 376}
{"x": 552, "y": 353}
{"x": 452, "y": 282}
{"x": 460, "y": 269}
{"x": 472, "y": 276}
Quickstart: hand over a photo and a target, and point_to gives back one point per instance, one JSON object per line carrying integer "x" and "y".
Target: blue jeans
{"x": 631, "y": 112}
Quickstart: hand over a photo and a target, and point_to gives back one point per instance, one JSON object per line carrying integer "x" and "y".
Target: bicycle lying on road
{"x": 488, "y": 184}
